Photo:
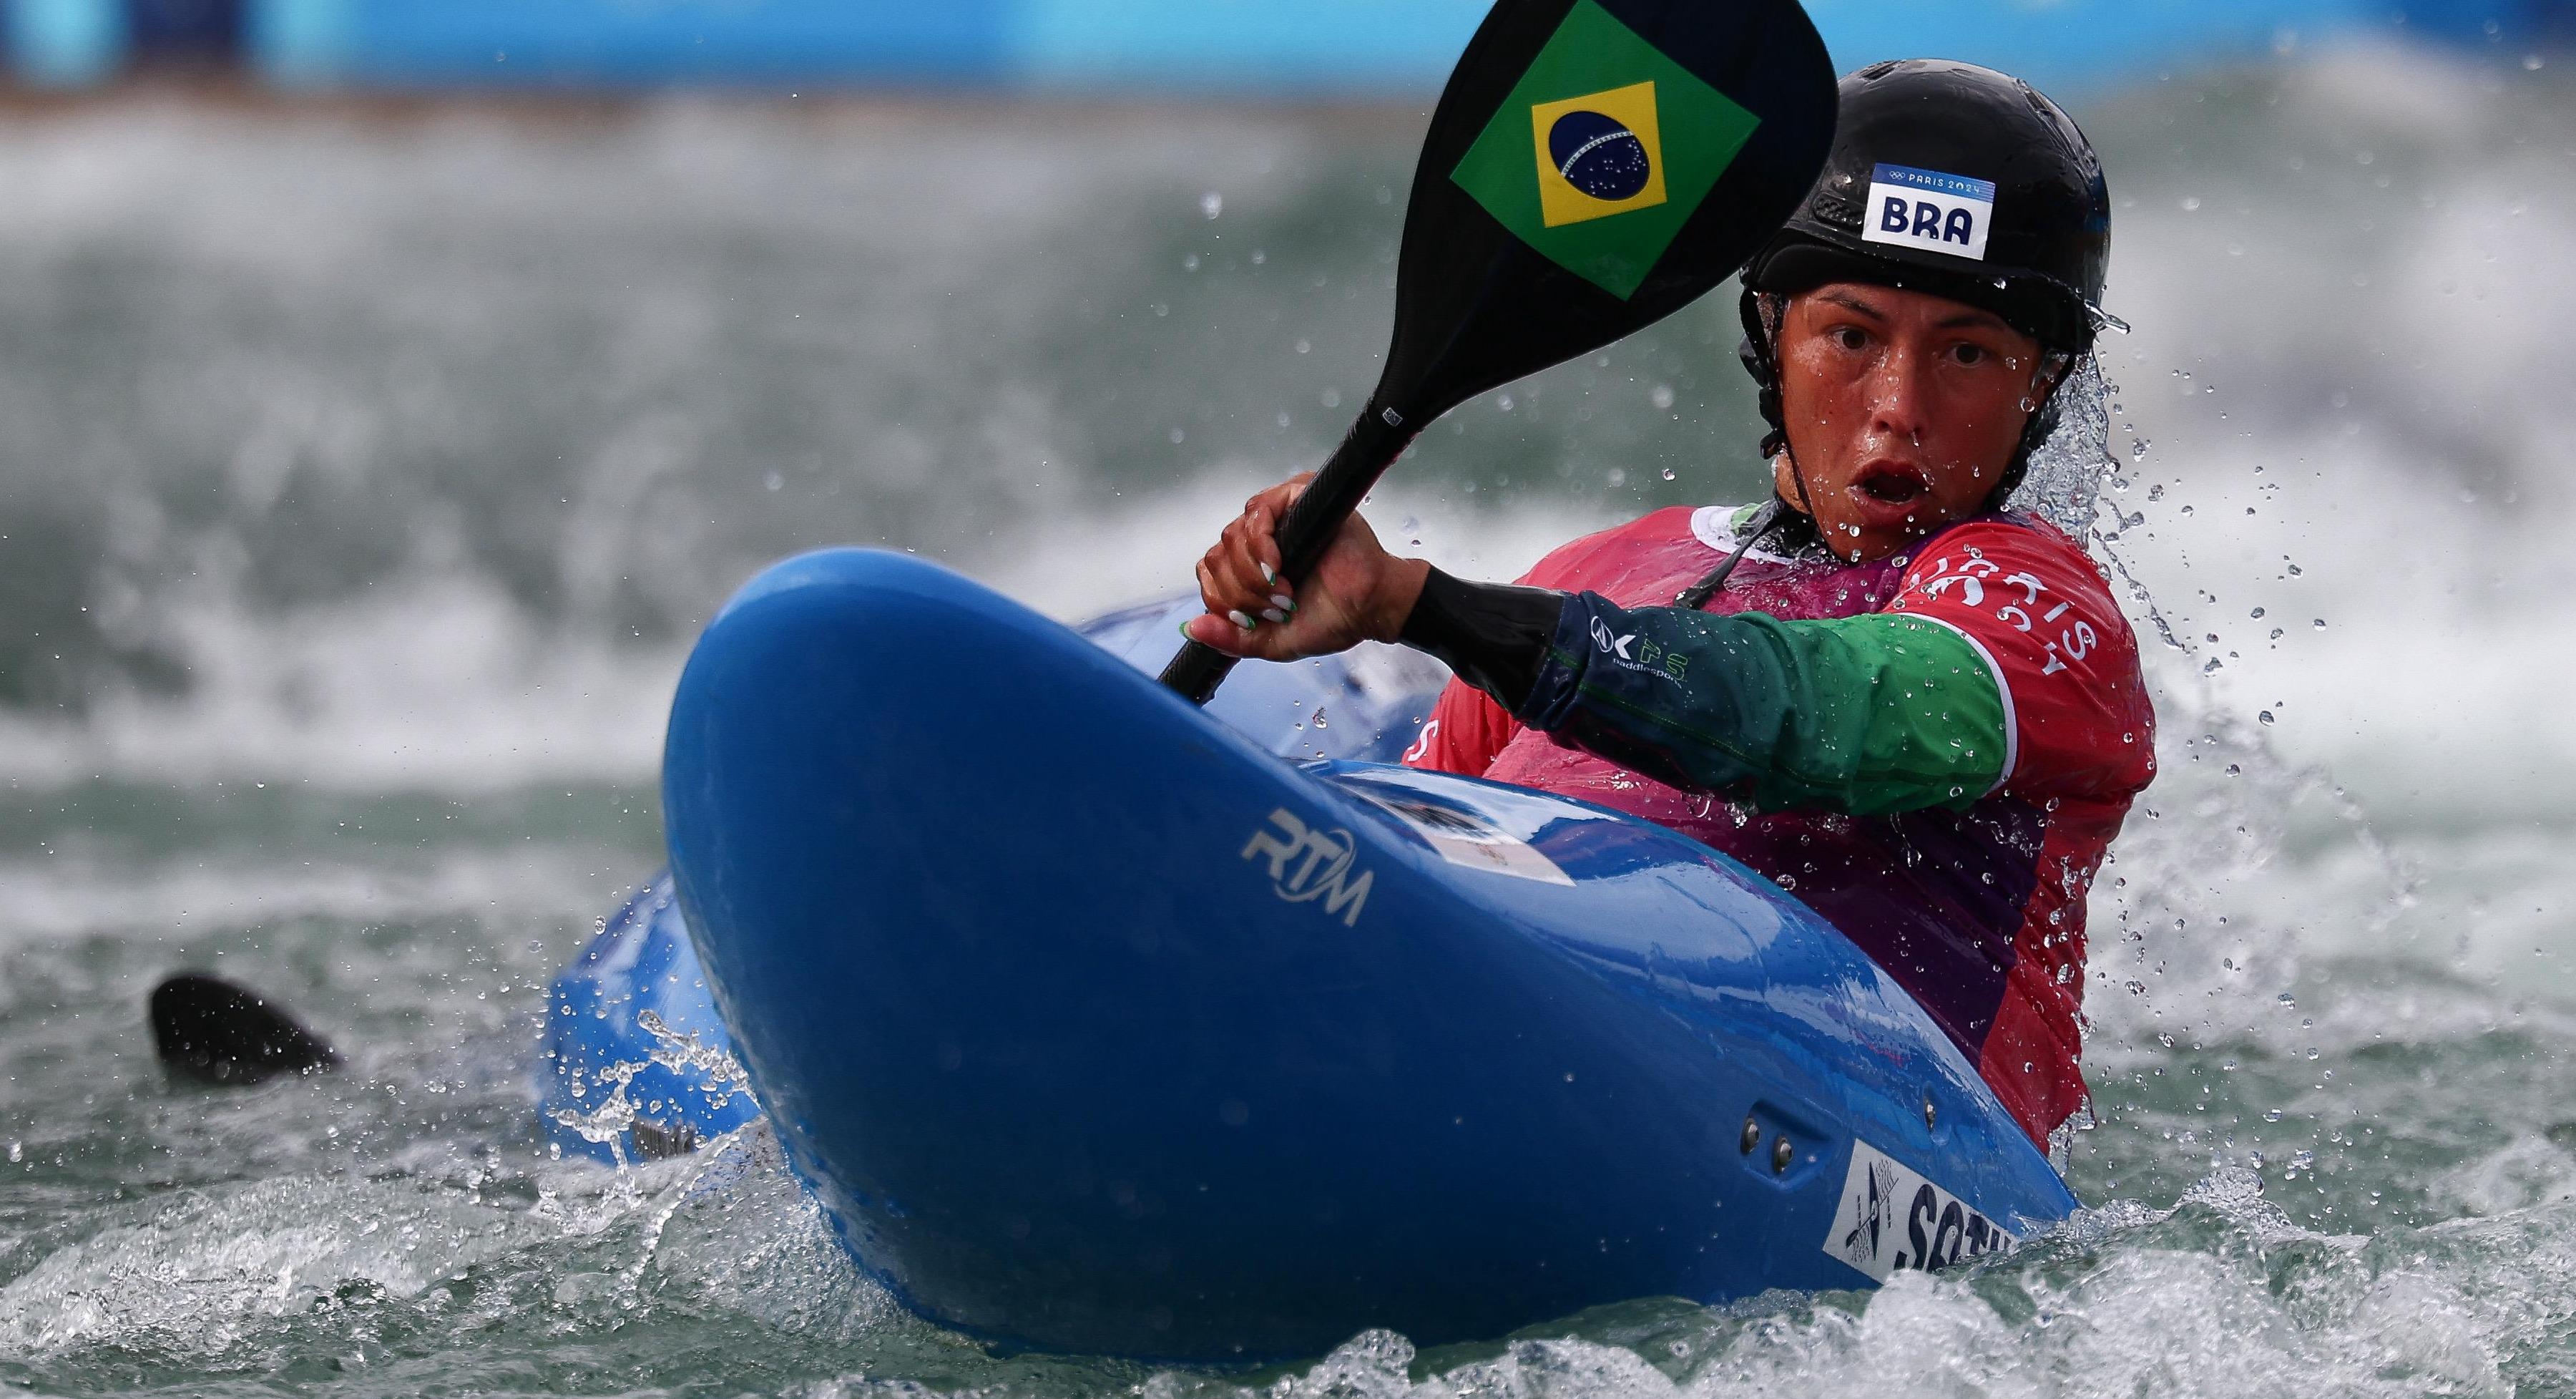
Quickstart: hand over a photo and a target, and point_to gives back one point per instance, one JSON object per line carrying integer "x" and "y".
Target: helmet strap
{"x": 1760, "y": 353}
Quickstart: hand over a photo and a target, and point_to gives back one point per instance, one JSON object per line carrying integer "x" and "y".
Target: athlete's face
{"x": 1902, "y": 410}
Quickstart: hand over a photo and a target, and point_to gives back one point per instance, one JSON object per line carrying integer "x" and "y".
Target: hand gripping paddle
{"x": 1593, "y": 166}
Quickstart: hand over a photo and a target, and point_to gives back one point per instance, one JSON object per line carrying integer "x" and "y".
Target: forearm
{"x": 1863, "y": 714}
{"x": 1492, "y": 636}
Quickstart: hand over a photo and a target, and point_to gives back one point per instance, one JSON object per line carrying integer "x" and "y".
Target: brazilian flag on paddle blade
{"x": 1603, "y": 150}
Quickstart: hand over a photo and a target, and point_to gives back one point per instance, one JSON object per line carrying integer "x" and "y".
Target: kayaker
{"x": 1919, "y": 711}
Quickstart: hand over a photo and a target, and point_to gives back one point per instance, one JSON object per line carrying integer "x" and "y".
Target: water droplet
{"x": 1661, "y": 397}
{"x": 1668, "y": 473}
{"x": 772, "y": 481}
{"x": 2190, "y": 204}
{"x": 1303, "y": 345}
{"x": 2264, "y": 718}
{"x": 2319, "y": 624}
{"x": 1211, "y": 204}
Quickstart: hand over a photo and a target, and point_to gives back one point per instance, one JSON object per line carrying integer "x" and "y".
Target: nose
{"x": 1898, "y": 394}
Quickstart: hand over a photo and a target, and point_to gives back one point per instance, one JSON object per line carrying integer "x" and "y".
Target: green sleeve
{"x": 1867, "y": 714}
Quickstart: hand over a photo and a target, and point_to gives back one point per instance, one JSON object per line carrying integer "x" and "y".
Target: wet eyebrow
{"x": 1965, "y": 320}
{"x": 1851, "y": 303}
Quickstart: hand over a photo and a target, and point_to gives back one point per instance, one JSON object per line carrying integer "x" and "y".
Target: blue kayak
{"x": 1095, "y": 1026}
{"x": 636, "y": 1063}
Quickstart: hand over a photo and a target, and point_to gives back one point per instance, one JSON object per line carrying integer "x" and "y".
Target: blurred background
{"x": 390, "y": 388}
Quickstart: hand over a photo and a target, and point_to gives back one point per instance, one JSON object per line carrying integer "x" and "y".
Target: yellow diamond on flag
{"x": 1598, "y": 155}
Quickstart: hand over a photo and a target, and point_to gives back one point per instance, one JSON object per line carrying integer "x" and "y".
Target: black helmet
{"x": 1956, "y": 180}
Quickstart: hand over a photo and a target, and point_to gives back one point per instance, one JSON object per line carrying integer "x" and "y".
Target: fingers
{"x": 1230, "y": 579}
{"x": 1272, "y": 506}
{"x": 1249, "y": 601}
{"x": 1241, "y": 574}
{"x": 1259, "y": 642}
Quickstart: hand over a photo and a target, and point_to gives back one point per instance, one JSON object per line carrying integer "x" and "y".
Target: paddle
{"x": 208, "y": 1030}
{"x": 1593, "y": 166}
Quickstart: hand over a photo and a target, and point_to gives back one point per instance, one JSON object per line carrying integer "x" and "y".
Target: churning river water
{"x": 365, "y": 471}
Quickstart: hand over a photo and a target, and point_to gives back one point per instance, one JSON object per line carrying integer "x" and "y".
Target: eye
{"x": 1850, "y": 337}
{"x": 1970, "y": 354}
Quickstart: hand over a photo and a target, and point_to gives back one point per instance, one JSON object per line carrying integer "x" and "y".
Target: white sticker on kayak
{"x": 1463, "y": 838}
{"x": 1892, "y": 1217}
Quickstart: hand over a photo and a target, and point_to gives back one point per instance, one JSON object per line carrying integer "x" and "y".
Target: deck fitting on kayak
{"x": 1752, "y": 1135}
{"x": 1781, "y": 1154}
{"x": 1930, "y": 1117}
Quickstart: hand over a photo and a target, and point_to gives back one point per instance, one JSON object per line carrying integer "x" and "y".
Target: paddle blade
{"x": 1593, "y": 166}
{"x": 207, "y": 1030}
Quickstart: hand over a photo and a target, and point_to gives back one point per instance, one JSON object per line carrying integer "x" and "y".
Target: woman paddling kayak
{"x": 1919, "y": 711}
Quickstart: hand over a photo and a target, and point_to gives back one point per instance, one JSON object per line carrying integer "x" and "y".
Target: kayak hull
{"x": 1095, "y": 1027}
{"x": 635, "y": 1063}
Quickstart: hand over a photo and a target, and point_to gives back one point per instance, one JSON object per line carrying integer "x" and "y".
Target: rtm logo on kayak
{"x": 1893, "y": 1218}
{"x": 1322, "y": 868}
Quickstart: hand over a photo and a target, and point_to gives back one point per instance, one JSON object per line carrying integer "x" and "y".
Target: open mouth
{"x": 1896, "y": 485}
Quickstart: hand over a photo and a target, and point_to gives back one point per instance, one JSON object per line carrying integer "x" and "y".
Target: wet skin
{"x": 1902, "y": 410}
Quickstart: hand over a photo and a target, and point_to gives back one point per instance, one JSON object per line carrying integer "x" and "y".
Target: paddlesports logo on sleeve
{"x": 1603, "y": 150}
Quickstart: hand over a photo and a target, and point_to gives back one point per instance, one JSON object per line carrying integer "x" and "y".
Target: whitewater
{"x": 365, "y": 470}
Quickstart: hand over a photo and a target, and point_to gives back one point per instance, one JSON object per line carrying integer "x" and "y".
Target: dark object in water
{"x": 656, "y": 1142}
{"x": 207, "y": 1030}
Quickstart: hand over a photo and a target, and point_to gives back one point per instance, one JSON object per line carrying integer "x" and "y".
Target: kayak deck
{"x": 1111, "y": 1032}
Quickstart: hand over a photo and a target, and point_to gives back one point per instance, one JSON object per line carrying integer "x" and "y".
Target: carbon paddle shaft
{"x": 1371, "y": 446}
